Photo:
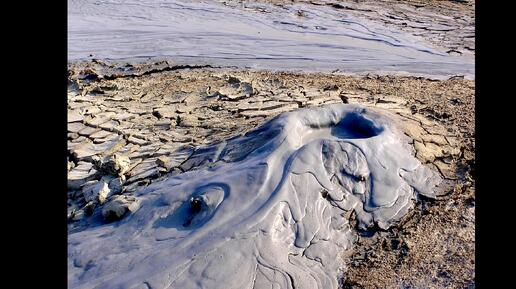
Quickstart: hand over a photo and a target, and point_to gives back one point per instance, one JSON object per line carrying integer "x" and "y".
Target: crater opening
{"x": 180, "y": 219}
{"x": 195, "y": 205}
{"x": 354, "y": 126}
{"x": 195, "y": 211}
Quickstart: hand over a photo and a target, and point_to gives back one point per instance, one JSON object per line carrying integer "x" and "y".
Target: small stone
{"x": 71, "y": 165}
{"x": 115, "y": 164}
{"x": 96, "y": 191}
{"x": 164, "y": 161}
{"x": 89, "y": 208}
{"x": 71, "y": 212}
{"x": 119, "y": 206}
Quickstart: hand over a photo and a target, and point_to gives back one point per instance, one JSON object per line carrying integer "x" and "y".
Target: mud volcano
{"x": 271, "y": 210}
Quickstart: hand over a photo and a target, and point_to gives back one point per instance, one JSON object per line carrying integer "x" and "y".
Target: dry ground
{"x": 156, "y": 113}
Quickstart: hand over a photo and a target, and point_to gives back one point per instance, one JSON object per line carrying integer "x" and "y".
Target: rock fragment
{"x": 165, "y": 162}
{"x": 116, "y": 164}
{"x": 116, "y": 185}
{"x": 77, "y": 215}
{"x": 71, "y": 212}
{"x": 96, "y": 191}
{"x": 119, "y": 206}
{"x": 71, "y": 165}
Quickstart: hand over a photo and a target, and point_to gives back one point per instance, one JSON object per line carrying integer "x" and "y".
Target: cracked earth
{"x": 128, "y": 130}
{"x": 131, "y": 125}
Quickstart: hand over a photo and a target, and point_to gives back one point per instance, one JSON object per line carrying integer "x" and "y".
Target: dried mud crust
{"x": 449, "y": 25}
{"x": 156, "y": 117}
